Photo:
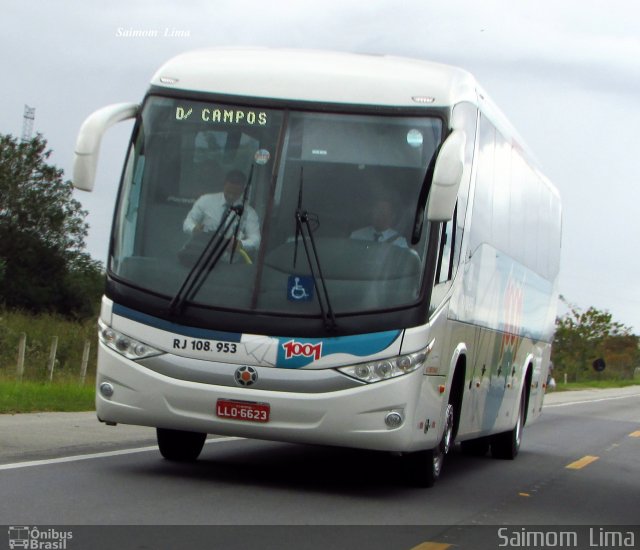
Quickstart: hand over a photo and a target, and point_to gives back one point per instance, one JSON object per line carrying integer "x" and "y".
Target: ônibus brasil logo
{"x": 38, "y": 539}
{"x": 296, "y": 349}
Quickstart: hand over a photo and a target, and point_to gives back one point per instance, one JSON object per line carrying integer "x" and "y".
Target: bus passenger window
{"x": 446, "y": 255}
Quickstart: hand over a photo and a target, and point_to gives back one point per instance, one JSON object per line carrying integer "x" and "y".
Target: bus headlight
{"x": 375, "y": 371}
{"x": 124, "y": 345}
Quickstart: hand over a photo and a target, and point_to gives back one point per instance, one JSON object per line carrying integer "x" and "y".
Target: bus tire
{"x": 180, "y": 446}
{"x": 507, "y": 444}
{"x": 425, "y": 467}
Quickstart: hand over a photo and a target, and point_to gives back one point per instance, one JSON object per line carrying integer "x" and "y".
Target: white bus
{"x": 384, "y": 275}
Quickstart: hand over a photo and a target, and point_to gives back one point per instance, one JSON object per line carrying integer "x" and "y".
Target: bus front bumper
{"x": 354, "y": 417}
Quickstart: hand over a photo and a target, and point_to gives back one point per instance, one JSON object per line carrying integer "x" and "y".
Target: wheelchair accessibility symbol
{"x": 300, "y": 288}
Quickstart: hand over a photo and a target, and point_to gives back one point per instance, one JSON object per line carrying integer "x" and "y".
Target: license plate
{"x": 247, "y": 411}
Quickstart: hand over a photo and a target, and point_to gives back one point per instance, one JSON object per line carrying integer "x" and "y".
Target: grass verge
{"x": 28, "y": 396}
{"x": 597, "y": 384}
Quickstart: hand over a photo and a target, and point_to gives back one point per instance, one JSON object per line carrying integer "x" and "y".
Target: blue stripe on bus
{"x": 205, "y": 334}
{"x": 359, "y": 345}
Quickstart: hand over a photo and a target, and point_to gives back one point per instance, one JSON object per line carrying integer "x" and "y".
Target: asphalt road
{"x": 579, "y": 466}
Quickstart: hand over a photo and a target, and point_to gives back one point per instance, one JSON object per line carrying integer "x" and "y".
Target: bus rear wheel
{"x": 507, "y": 445}
{"x": 180, "y": 446}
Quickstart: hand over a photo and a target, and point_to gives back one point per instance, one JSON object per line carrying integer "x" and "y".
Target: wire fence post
{"x": 85, "y": 361}
{"x": 22, "y": 346}
{"x": 52, "y": 357}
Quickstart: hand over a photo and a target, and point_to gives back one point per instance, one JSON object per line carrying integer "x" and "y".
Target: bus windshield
{"x": 255, "y": 209}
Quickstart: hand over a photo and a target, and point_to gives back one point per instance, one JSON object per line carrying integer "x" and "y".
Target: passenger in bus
{"x": 382, "y": 228}
{"x": 209, "y": 209}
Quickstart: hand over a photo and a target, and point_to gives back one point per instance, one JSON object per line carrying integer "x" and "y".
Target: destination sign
{"x": 222, "y": 115}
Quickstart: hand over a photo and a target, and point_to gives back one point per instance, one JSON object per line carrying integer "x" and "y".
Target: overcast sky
{"x": 566, "y": 72}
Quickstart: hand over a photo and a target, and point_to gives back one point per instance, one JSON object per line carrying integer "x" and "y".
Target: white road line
{"x": 590, "y": 401}
{"x": 106, "y": 454}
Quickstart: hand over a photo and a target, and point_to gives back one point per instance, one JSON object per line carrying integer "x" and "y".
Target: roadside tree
{"x": 42, "y": 232}
{"x": 583, "y": 337}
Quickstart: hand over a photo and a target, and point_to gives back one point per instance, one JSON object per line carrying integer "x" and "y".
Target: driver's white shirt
{"x": 208, "y": 211}
{"x": 389, "y": 235}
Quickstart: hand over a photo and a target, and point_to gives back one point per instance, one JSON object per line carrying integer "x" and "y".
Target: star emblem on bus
{"x": 246, "y": 376}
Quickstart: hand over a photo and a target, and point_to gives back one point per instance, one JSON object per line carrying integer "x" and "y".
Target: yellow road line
{"x": 584, "y": 461}
{"x": 635, "y": 434}
{"x": 432, "y": 546}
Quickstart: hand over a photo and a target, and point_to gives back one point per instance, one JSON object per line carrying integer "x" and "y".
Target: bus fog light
{"x": 393, "y": 419}
{"x": 106, "y": 389}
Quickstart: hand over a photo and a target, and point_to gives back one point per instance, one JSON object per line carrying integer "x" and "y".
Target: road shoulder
{"x": 566, "y": 397}
{"x": 33, "y": 436}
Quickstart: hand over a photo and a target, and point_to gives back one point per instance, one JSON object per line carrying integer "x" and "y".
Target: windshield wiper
{"x": 303, "y": 224}
{"x": 240, "y": 212}
{"x": 215, "y": 248}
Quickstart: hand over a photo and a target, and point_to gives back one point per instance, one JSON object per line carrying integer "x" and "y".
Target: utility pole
{"x": 27, "y": 123}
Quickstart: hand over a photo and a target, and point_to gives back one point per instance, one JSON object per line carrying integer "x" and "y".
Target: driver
{"x": 209, "y": 209}
{"x": 383, "y": 218}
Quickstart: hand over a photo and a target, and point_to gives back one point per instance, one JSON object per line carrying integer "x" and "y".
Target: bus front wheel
{"x": 425, "y": 467}
{"x": 179, "y": 445}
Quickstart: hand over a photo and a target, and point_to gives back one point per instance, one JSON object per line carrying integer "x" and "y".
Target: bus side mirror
{"x": 446, "y": 178}
{"x": 93, "y": 128}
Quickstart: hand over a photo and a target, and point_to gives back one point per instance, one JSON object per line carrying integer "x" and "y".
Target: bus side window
{"x": 446, "y": 255}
